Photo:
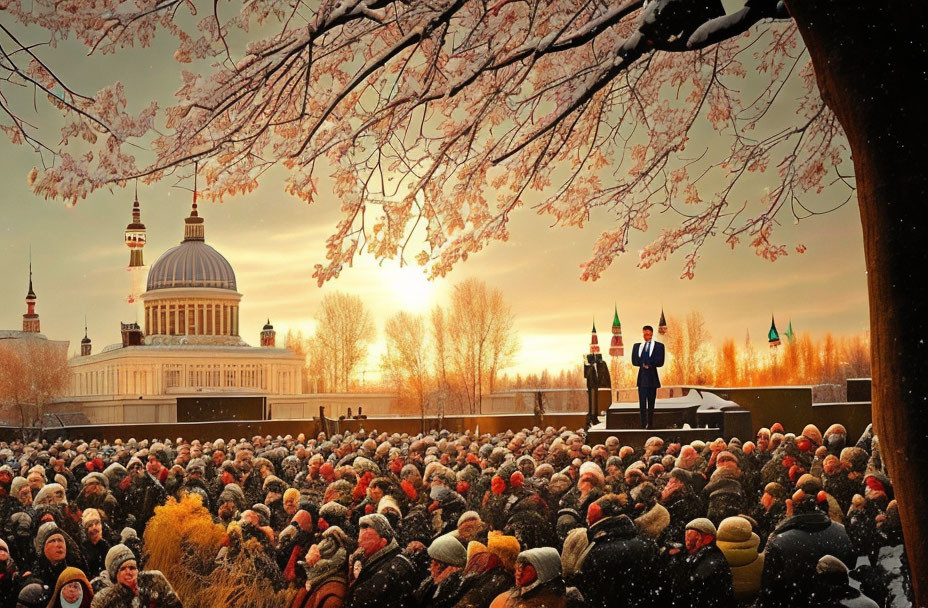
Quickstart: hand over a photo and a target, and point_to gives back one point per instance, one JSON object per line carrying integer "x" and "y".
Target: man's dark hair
{"x": 648, "y": 327}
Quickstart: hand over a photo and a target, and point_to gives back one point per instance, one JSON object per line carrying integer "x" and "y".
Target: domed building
{"x": 186, "y": 360}
{"x": 191, "y": 295}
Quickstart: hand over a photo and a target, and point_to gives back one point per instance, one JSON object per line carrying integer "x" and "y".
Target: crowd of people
{"x": 531, "y": 519}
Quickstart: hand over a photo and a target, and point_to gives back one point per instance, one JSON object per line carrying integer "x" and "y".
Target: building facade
{"x": 187, "y": 348}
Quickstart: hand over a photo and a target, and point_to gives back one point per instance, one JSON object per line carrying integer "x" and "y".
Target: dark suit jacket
{"x": 648, "y": 377}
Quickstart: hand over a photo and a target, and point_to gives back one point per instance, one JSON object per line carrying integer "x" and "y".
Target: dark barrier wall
{"x": 228, "y": 429}
{"x": 858, "y": 389}
{"x": 854, "y": 416}
{"x": 791, "y": 406}
{"x": 208, "y": 409}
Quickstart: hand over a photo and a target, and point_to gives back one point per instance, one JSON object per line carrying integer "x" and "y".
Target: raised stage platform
{"x": 699, "y": 415}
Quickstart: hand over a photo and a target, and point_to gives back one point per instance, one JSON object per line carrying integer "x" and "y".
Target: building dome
{"x": 193, "y": 263}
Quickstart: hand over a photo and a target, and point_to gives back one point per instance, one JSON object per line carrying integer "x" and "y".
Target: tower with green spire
{"x": 789, "y": 331}
{"x": 616, "y": 348}
{"x": 773, "y": 336}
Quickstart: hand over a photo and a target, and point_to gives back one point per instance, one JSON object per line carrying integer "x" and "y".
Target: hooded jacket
{"x": 154, "y": 591}
{"x": 546, "y": 591}
{"x": 70, "y": 575}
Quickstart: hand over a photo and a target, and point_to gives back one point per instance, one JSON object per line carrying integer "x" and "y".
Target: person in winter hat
{"x": 295, "y": 541}
{"x": 143, "y": 493}
{"x": 771, "y": 510}
{"x": 538, "y": 581}
{"x": 55, "y": 551}
{"x": 739, "y": 544}
{"x": 130, "y": 587}
{"x": 93, "y": 541}
{"x": 794, "y": 548}
{"x": 833, "y": 588}
{"x": 326, "y": 566}
{"x": 651, "y": 518}
{"x": 381, "y": 576}
{"x": 707, "y": 579}
{"x": 72, "y": 590}
{"x": 620, "y": 565}
{"x": 10, "y": 578}
{"x": 442, "y": 587}
{"x": 484, "y": 577}
{"x": 95, "y": 494}
{"x": 33, "y": 595}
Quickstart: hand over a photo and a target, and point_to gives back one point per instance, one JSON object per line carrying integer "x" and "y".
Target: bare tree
{"x": 482, "y": 336}
{"x": 344, "y": 331}
{"x": 688, "y": 349}
{"x": 33, "y": 372}
{"x": 406, "y": 360}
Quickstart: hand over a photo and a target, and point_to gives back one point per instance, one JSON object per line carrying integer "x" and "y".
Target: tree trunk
{"x": 870, "y": 61}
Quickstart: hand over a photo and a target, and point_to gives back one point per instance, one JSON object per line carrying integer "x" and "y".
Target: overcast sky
{"x": 273, "y": 241}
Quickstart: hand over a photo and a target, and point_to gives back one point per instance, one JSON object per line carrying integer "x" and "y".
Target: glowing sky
{"x": 272, "y": 242}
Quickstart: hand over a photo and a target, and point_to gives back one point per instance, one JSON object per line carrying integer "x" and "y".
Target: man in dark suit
{"x": 647, "y": 357}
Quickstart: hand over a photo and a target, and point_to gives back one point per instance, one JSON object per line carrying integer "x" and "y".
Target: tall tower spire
{"x": 85, "y": 341}
{"x": 136, "y": 234}
{"x": 662, "y": 325}
{"x": 30, "y": 319}
{"x": 268, "y": 335}
{"x": 616, "y": 348}
{"x": 193, "y": 225}
{"x": 594, "y": 341}
{"x": 773, "y": 336}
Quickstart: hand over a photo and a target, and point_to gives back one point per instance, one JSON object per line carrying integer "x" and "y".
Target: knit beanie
{"x": 506, "y": 548}
{"x": 47, "y": 491}
{"x": 333, "y": 511}
{"x": 17, "y": 485}
{"x": 590, "y": 471}
{"x": 264, "y": 513}
{"x": 90, "y": 515}
{"x": 272, "y": 483}
{"x": 98, "y": 477}
{"x": 128, "y": 533}
{"x": 116, "y": 557}
{"x": 448, "y": 550}
{"x": 32, "y": 596}
{"x": 379, "y": 523}
{"x": 46, "y": 531}
{"x": 233, "y": 493}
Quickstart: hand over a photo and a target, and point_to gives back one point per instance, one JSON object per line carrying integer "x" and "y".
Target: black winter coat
{"x": 620, "y": 567}
{"x": 792, "y": 554}
{"x": 390, "y": 581}
{"x": 478, "y": 590}
{"x": 706, "y": 580}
